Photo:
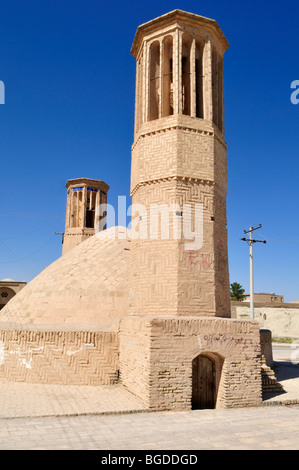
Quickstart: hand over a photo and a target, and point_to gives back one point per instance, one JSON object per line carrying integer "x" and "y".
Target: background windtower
{"x": 179, "y": 157}
{"x": 84, "y": 195}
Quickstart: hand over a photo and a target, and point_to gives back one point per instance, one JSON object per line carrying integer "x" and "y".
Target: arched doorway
{"x": 203, "y": 383}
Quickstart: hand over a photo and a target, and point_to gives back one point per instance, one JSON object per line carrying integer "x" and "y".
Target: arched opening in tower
{"x": 217, "y": 89}
{"x": 167, "y": 103}
{"x": 199, "y": 79}
{"x": 154, "y": 86}
{"x": 186, "y": 74}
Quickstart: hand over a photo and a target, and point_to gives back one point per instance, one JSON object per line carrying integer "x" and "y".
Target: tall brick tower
{"x": 179, "y": 160}
{"x": 179, "y": 346}
{"x": 84, "y": 195}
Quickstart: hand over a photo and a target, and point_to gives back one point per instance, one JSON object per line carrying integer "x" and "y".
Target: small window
{"x": 4, "y": 294}
{"x": 90, "y": 218}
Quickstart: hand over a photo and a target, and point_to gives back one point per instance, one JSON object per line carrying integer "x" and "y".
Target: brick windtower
{"x": 179, "y": 159}
{"x": 84, "y": 196}
{"x": 179, "y": 346}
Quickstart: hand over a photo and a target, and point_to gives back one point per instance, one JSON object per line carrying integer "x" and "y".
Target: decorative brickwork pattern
{"x": 165, "y": 277}
{"x": 59, "y": 357}
{"x": 178, "y": 146}
{"x": 180, "y": 296}
{"x": 86, "y": 286}
{"x": 177, "y": 160}
{"x": 155, "y": 308}
{"x": 156, "y": 360}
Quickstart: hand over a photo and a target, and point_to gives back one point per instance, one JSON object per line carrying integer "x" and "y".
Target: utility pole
{"x": 251, "y": 241}
{"x": 62, "y": 234}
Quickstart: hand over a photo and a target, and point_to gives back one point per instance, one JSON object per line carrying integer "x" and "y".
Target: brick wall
{"x": 177, "y": 161}
{"x": 135, "y": 357}
{"x": 156, "y": 359}
{"x": 59, "y": 357}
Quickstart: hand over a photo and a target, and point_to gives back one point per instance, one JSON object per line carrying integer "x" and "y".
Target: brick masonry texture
{"x": 193, "y": 280}
{"x": 59, "y": 357}
{"x": 86, "y": 286}
{"x": 150, "y": 306}
{"x": 179, "y": 302}
{"x": 156, "y": 359}
{"x": 51, "y": 333}
{"x": 178, "y": 145}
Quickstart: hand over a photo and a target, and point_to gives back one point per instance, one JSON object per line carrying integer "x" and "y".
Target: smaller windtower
{"x": 84, "y": 196}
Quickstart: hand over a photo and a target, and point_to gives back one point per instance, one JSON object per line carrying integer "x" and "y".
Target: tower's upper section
{"x": 84, "y": 195}
{"x": 84, "y": 198}
{"x": 179, "y": 69}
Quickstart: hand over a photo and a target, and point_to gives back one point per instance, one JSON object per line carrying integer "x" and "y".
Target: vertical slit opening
{"x": 199, "y": 79}
{"x": 220, "y": 94}
{"x": 154, "y": 85}
{"x": 90, "y": 208}
{"x": 186, "y": 74}
{"x": 167, "y": 103}
{"x": 215, "y": 86}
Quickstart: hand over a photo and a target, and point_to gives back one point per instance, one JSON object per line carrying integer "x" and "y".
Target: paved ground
{"x": 264, "y": 428}
{"x": 22, "y": 400}
{"x": 77, "y": 417}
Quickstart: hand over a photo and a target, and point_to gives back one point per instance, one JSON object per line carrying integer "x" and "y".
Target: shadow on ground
{"x": 287, "y": 375}
{"x": 286, "y": 370}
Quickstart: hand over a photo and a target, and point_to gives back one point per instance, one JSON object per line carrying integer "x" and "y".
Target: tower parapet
{"x": 179, "y": 68}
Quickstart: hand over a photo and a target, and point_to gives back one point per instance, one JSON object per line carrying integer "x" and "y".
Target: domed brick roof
{"x": 85, "y": 287}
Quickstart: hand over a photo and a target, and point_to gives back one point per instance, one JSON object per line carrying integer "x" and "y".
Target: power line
{"x": 251, "y": 242}
{"x": 30, "y": 233}
{"x": 19, "y": 260}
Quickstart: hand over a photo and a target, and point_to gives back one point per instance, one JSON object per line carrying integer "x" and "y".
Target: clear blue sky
{"x": 69, "y": 112}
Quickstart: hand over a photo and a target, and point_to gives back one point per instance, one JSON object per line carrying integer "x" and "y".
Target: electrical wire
{"x": 18, "y": 260}
{"x": 29, "y": 233}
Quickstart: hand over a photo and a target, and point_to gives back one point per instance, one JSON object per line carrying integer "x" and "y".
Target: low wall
{"x": 59, "y": 357}
{"x": 282, "y": 321}
{"x": 266, "y": 346}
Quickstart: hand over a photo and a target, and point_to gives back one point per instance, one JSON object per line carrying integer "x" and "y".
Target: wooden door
{"x": 203, "y": 383}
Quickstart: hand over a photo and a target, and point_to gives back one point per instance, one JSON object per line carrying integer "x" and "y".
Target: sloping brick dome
{"x": 87, "y": 287}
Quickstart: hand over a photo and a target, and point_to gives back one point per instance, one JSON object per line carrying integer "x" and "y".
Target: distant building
{"x": 8, "y": 289}
{"x": 264, "y": 298}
